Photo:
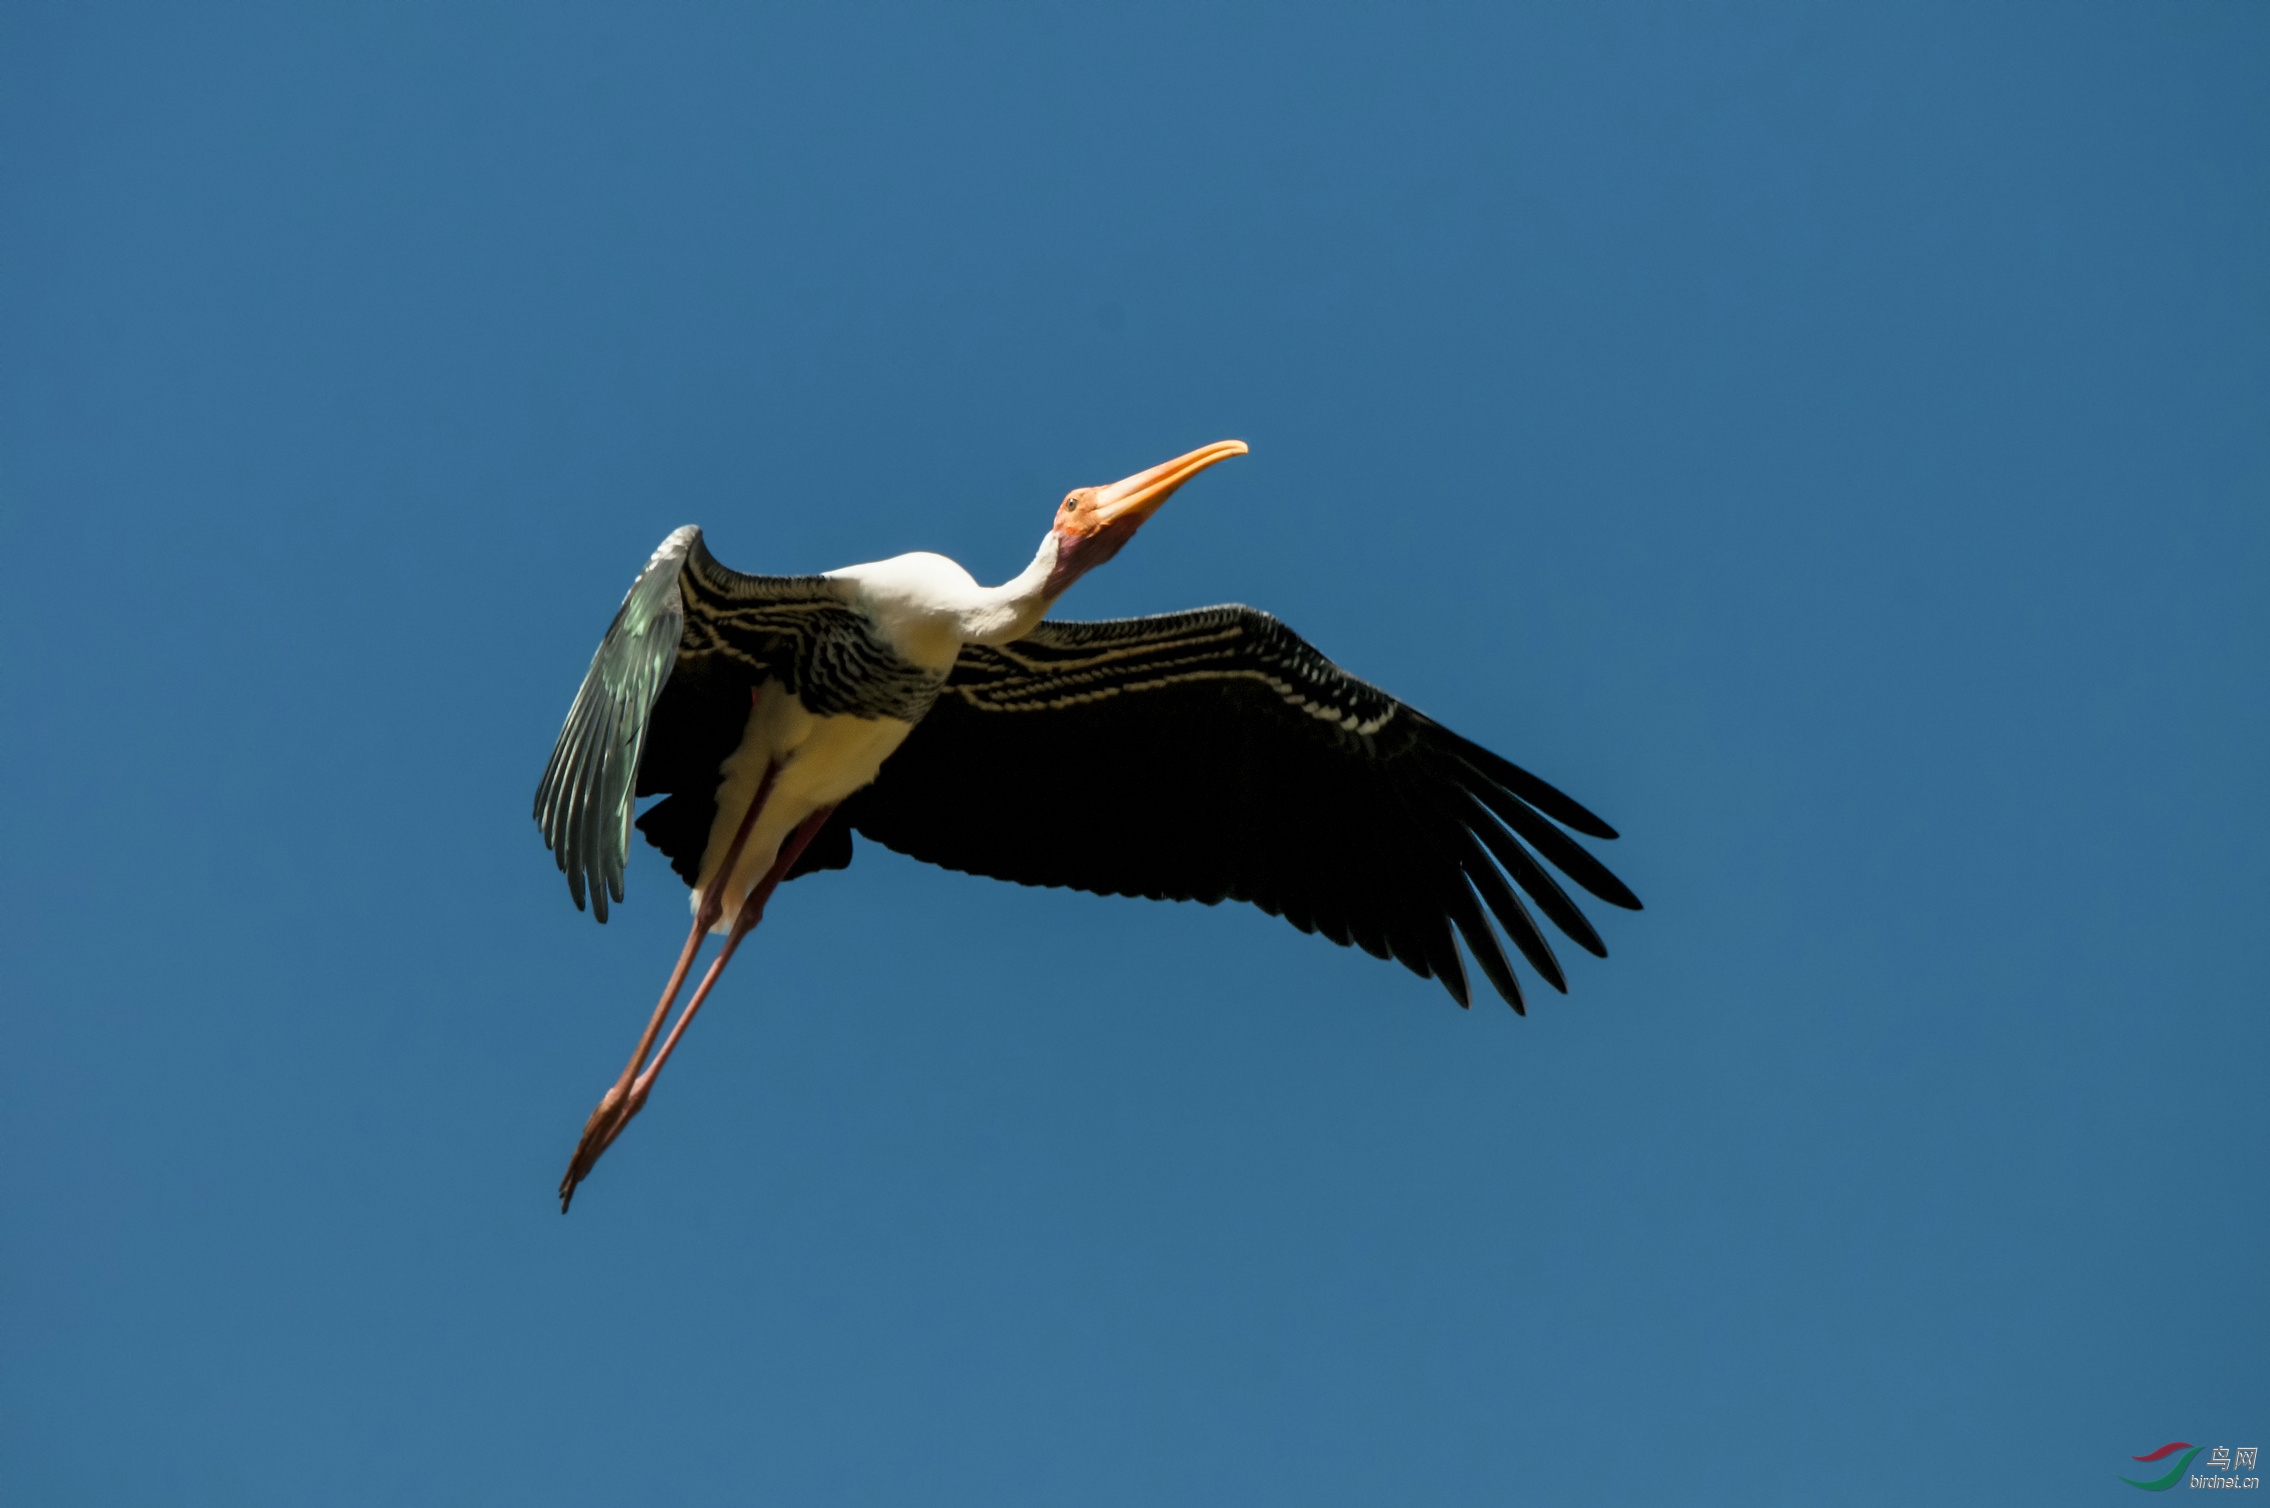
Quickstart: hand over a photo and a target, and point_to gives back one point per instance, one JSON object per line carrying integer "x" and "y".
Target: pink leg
{"x": 599, "y": 1129}
{"x": 706, "y": 913}
{"x": 752, "y": 911}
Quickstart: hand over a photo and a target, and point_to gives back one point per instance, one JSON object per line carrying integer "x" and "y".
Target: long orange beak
{"x": 1139, "y": 496}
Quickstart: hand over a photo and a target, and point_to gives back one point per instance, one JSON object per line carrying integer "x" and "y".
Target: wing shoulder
{"x": 758, "y": 621}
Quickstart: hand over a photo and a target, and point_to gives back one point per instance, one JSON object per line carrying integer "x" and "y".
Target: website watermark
{"x": 2224, "y": 1465}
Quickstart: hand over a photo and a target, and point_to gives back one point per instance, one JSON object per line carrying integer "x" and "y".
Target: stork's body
{"x": 813, "y": 760}
{"x": 813, "y": 763}
{"x": 910, "y": 615}
{"x": 1207, "y": 755}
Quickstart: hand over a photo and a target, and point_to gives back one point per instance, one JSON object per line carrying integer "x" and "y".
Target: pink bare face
{"x": 1092, "y": 523}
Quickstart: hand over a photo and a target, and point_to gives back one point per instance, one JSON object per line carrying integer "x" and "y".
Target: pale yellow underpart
{"x": 821, "y": 761}
{"x": 926, "y": 608}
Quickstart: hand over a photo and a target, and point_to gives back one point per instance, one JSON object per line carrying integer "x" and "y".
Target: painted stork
{"x": 1207, "y": 755}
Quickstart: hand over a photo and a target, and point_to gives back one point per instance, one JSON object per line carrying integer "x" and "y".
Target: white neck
{"x": 998, "y": 614}
{"x": 930, "y": 607}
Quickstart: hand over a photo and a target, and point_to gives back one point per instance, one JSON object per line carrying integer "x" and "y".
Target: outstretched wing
{"x": 583, "y": 803}
{"x": 1215, "y": 755}
{"x": 666, "y": 700}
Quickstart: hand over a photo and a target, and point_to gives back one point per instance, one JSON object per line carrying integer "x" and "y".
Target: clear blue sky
{"x": 1832, "y": 443}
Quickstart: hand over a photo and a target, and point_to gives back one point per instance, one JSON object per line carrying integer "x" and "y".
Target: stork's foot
{"x": 607, "y": 1121}
{"x": 628, "y": 1096}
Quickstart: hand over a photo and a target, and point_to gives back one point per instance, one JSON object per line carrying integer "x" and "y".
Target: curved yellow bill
{"x": 1137, "y": 497}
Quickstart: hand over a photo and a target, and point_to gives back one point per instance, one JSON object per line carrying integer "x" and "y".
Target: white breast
{"x": 917, "y": 601}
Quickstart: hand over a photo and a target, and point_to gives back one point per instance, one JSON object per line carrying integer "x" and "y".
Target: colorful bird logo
{"x": 2162, "y": 1484}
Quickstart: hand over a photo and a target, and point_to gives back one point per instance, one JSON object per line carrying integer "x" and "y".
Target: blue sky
{"x": 1830, "y": 444}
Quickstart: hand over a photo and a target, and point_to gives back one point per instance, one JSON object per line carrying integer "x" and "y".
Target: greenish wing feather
{"x": 583, "y": 804}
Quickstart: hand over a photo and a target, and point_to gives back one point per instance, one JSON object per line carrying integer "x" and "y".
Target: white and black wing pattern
{"x": 1215, "y": 755}
{"x": 667, "y": 698}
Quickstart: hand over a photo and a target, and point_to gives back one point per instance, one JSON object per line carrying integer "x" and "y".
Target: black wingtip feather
{"x": 1482, "y": 943}
{"x": 1555, "y": 847}
{"x": 1515, "y": 919}
{"x": 1547, "y": 798}
{"x": 1443, "y": 959}
{"x": 1532, "y": 877}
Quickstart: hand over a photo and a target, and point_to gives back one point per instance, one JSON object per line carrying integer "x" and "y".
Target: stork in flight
{"x": 1207, "y": 755}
